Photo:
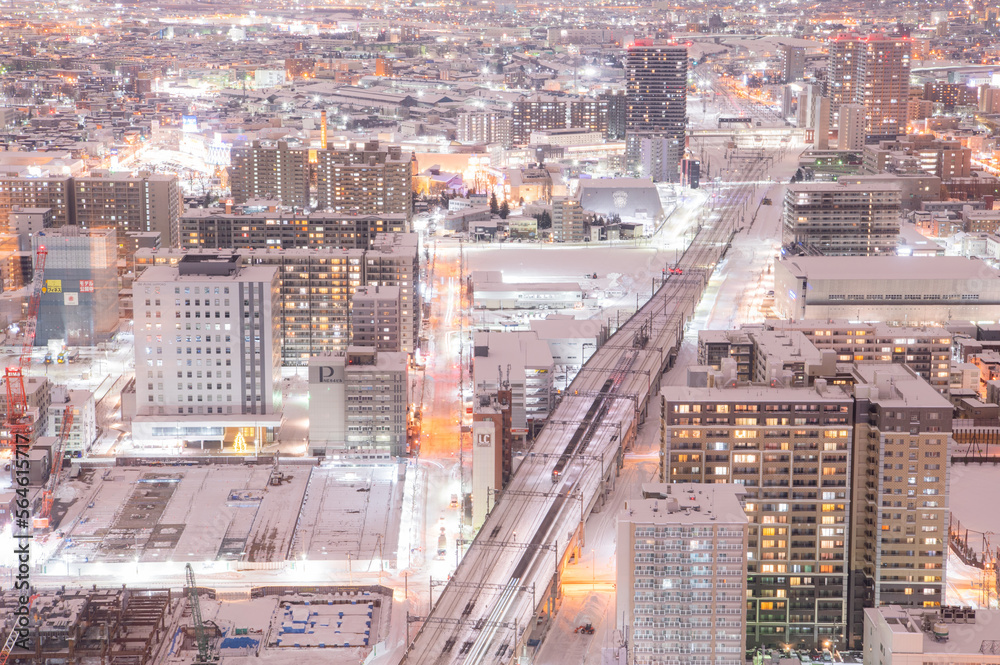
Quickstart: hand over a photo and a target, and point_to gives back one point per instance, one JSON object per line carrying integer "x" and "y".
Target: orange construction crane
{"x": 17, "y": 424}
{"x": 41, "y": 520}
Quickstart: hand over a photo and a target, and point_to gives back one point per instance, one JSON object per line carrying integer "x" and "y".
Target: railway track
{"x": 488, "y": 613}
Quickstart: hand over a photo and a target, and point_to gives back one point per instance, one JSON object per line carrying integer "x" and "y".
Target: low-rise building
{"x": 907, "y": 636}
{"x": 519, "y": 362}
{"x": 902, "y": 290}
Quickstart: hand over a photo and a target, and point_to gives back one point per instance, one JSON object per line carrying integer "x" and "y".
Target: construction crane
{"x": 18, "y": 425}
{"x": 55, "y": 474}
{"x": 8, "y": 645}
{"x": 205, "y": 654}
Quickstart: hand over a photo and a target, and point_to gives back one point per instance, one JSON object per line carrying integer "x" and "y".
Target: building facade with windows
{"x": 317, "y": 287}
{"x": 681, "y": 575}
{"x": 217, "y": 228}
{"x": 846, "y": 493}
{"x": 790, "y": 450}
{"x": 656, "y": 98}
{"x": 842, "y": 220}
{"x": 207, "y": 353}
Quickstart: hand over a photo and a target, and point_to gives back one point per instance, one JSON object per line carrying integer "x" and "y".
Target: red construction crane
{"x": 41, "y": 520}
{"x": 17, "y": 424}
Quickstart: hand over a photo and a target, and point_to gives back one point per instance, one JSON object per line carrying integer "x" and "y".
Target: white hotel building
{"x": 207, "y": 362}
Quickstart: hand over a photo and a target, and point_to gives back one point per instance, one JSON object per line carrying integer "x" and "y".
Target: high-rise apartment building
{"x": 950, "y": 95}
{"x": 656, "y": 96}
{"x": 147, "y": 202}
{"x": 24, "y": 191}
{"x": 793, "y": 63}
{"x": 375, "y": 318}
{"x": 483, "y": 127}
{"x": 358, "y": 403}
{"x": 925, "y": 349}
{"x": 366, "y": 179}
{"x": 883, "y": 84}
{"x": 383, "y": 67}
{"x": 843, "y": 52}
{"x": 851, "y": 127}
{"x": 266, "y": 171}
{"x": 317, "y": 286}
{"x": 790, "y": 449}
{"x": 681, "y": 575}
{"x": 589, "y": 113}
{"x": 207, "y": 352}
{"x": 842, "y": 220}
{"x": 989, "y": 100}
{"x": 569, "y": 220}
{"x": 536, "y": 112}
{"x": 393, "y": 261}
{"x": 846, "y": 492}
{"x": 900, "y": 504}
{"x": 217, "y": 228}
{"x": 617, "y": 113}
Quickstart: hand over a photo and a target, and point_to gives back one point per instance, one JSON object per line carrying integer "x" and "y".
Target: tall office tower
{"x": 851, "y": 127}
{"x": 207, "y": 353}
{"x": 790, "y": 449}
{"x": 841, "y": 70}
{"x": 883, "y": 84}
{"x": 147, "y": 202}
{"x": 24, "y": 191}
{"x": 843, "y": 220}
{"x": 656, "y": 94}
{"x": 80, "y": 304}
{"x": 589, "y": 113}
{"x": 899, "y": 520}
{"x": 681, "y": 575}
{"x": 367, "y": 179}
{"x": 276, "y": 171}
{"x": 793, "y": 63}
{"x": 617, "y": 113}
{"x": 535, "y": 112}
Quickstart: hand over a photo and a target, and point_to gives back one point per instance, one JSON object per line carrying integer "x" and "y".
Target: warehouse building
{"x": 902, "y": 290}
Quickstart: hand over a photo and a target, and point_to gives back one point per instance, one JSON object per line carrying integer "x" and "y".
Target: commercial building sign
{"x": 53, "y": 286}
{"x": 70, "y": 298}
{"x": 484, "y": 439}
{"x": 86, "y": 286}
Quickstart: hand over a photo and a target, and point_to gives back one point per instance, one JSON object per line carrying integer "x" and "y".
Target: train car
{"x": 582, "y": 430}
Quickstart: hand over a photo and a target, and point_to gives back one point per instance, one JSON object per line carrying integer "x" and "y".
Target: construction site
{"x": 200, "y": 626}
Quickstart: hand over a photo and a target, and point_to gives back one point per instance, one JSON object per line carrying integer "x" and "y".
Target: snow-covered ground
{"x": 350, "y": 512}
